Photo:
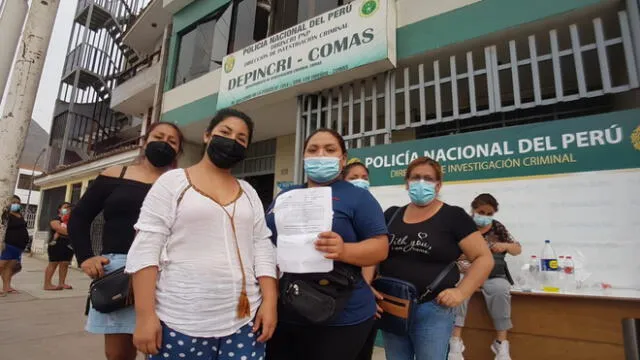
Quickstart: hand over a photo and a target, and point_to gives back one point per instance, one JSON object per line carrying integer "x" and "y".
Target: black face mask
{"x": 160, "y": 153}
{"x": 224, "y": 152}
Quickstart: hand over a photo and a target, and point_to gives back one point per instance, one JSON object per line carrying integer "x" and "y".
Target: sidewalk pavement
{"x": 49, "y": 325}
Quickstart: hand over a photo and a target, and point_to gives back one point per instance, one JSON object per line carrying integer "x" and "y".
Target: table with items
{"x": 580, "y": 324}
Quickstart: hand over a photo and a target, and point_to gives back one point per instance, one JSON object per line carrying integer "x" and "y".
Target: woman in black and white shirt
{"x": 425, "y": 239}
{"x": 203, "y": 264}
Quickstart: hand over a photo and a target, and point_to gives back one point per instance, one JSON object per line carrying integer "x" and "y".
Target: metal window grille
{"x": 579, "y": 61}
{"x": 260, "y": 160}
{"x": 30, "y": 218}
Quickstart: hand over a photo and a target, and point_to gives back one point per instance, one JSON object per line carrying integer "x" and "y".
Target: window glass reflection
{"x": 203, "y": 46}
{"x": 244, "y": 24}
{"x": 288, "y": 13}
{"x": 239, "y": 24}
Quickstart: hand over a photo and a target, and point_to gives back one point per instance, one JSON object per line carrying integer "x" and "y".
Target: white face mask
{"x": 361, "y": 183}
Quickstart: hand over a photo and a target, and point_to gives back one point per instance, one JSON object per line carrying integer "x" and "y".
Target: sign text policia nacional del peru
{"x": 342, "y": 39}
{"x": 600, "y": 142}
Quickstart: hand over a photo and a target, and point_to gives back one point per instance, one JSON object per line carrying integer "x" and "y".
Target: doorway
{"x": 264, "y": 187}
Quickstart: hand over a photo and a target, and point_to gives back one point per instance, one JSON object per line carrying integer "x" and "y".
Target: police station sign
{"x": 359, "y": 35}
{"x": 609, "y": 141}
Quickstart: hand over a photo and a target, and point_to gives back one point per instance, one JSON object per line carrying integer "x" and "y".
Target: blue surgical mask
{"x": 64, "y": 211}
{"x": 422, "y": 192}
{"x": 482, "y": 220}
{"x": 15, "y": 207}
{"x": 322, "y": 170}
{"x": 361, "y": 183}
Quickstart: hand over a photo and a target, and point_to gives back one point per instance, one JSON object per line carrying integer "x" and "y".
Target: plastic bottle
{"x": 569, "y": 273}
{"x": 534, "y": 272}
{"x": 561, "y": 276}
{"x": 549, "y": 268}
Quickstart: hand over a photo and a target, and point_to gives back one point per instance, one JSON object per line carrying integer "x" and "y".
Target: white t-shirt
{"x": 192, "y": 243}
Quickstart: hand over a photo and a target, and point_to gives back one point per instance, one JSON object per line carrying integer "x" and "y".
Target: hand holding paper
{"x": 331, "y": 244}
{"x": 300, "y": 216}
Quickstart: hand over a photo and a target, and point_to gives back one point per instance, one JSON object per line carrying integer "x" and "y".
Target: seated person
{"x": 496, "y": 289}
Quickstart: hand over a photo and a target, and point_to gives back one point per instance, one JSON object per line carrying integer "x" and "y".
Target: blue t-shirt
{"x": 357, "y": 216}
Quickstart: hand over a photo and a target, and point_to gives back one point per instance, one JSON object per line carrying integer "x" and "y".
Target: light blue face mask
{"x": 482, "y": 220}
{"x": 361, "y": 183}
{"x": 422, "y": 192}
{"x": 15, "y": 207}
{"x": 322, "y": 170}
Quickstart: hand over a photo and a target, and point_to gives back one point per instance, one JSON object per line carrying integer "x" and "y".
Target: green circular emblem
{"x": 369, "y": 8}
{"x": 229, "y": 64}
{"x": 635, "y": 138}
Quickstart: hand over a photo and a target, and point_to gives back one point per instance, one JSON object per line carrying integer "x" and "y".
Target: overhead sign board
{"x": 353, "y": 41}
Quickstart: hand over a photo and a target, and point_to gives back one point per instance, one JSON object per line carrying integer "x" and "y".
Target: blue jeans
{"x": 428, "y": 337}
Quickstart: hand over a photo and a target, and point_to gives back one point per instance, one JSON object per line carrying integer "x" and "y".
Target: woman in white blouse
{"x": 202, "y": 263}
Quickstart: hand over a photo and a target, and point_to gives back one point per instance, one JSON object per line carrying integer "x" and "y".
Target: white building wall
{"x": 24, "y": 193}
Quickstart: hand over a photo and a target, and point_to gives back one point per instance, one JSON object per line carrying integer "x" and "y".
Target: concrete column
{"x": 12, "y": 16}
{"x": 21, "y": 94}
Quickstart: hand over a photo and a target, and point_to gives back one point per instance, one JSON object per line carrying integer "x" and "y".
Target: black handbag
{"x": 111, "y": 292}
{"x": 318, "y": 297}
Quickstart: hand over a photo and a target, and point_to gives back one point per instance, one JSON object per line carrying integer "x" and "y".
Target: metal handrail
{"x": 84, "y": 56}
{"x": 132, "y": 71}
{"x": 123, "y": 143}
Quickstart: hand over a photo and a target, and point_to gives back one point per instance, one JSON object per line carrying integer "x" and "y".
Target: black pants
{"x": 308, "y": 342}
{"x": 366, "y": 353}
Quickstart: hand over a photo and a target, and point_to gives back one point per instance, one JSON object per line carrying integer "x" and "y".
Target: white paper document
{"x": 301, "y": 215}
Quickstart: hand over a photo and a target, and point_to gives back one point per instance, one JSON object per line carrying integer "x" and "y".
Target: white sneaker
{"x": 456, "y": 348}
{"x": 501, "y": 350}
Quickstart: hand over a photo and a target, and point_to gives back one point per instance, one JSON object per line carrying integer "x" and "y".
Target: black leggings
{"x": 308, "y": 342}
{"x": 366, "y": 353}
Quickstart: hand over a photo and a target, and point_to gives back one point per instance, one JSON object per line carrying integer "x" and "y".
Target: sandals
{"x": 52, "y": 288}
{"x": 67, "y": 287}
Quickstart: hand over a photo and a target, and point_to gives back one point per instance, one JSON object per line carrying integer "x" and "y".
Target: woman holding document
{"x": 327, "y": 315}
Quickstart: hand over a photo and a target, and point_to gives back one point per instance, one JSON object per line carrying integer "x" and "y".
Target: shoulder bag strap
{"x": 434, "y": 284}
{"x": 395, "y": 215}
{"x": 124, "y": 171}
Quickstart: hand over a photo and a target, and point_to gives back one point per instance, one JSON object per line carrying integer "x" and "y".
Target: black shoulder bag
{"x": 111, "y": 292}
{"x": 318, "y": 297}
{"x": 401, "y": 297}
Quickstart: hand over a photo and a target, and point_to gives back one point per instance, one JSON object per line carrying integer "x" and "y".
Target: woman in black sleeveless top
{"x": 59, "y": 249}
{"x": 15, "y": 241}
{"x": 118, "y": 193}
